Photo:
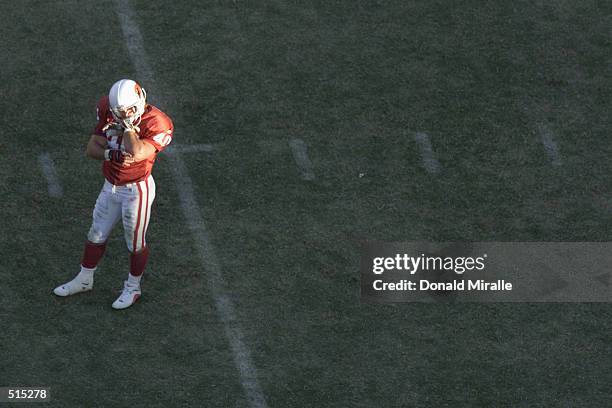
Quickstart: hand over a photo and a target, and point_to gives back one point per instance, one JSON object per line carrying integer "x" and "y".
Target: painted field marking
{"x": 194, "y": 221}
{"x": 549, "y": 143}
{"x": 48, "y": 169}
{"x": 300, "y": 155}
{"x": 190, "y": 148}
{"x": 431, "y": 164}
{"x": 535, "y": 112}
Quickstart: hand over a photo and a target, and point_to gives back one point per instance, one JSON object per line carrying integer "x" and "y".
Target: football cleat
{"x": 128, "y": 297}
{"x": 77, "y": 285}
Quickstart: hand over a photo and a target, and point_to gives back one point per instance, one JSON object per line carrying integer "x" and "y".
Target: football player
{"x": 127, "y": 138}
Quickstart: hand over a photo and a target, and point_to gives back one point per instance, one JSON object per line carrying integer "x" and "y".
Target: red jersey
{"x": 155, "y": 128}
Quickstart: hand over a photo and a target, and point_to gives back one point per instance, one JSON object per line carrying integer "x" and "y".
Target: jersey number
{"x": 163, "y": 139}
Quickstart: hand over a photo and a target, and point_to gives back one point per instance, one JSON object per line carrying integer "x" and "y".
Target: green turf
{"x": 354, "y": 80}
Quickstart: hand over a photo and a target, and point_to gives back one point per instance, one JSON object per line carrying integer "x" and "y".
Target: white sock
{"x": 134, "y": 280}
{"x": 86, "y": 274}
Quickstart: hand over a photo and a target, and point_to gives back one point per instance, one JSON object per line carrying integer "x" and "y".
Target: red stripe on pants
{"x": 134, "y": 248}
{"x": 146, "y": 214}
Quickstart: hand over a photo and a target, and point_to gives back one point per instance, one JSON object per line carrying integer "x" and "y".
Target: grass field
{"x": 354, "y": 80}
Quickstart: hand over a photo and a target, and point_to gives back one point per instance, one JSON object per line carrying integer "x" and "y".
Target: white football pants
{"x": 132, "y": 202}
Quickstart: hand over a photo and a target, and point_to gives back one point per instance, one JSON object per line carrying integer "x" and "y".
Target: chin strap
{"x": 131, "y": 126}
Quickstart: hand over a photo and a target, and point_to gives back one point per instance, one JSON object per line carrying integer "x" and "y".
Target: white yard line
{"x": 535, "y": 113}
{"x": 48, "y": 169}
{"x": 189, "y": 148}
{"x": 430, "y": 162}
{"x": 300, "y": 155}
{"x": 549, "y": 143}
{"x": 195, "y": 222}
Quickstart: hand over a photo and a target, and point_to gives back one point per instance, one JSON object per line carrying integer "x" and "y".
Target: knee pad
{"x": 96, "y": 236}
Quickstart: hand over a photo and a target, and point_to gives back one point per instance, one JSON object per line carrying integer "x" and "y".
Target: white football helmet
{"x": 127, "y": 102}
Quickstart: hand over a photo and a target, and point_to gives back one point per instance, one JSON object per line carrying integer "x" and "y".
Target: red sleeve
{"x": 159, "y": 133}
{"x": 102, "y": 115}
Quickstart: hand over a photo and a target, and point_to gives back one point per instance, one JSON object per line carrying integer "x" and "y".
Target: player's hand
{"x": 128, "y": 159}
{"x": 112, "y": 125}
{"x": 121, "y": 157}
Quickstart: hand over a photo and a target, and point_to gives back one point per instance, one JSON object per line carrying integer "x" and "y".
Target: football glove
{"x": 114, "y": 155}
